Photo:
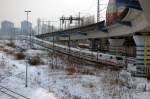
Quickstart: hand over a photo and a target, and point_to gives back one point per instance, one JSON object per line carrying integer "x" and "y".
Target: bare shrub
{"x": 5, "y": 50}
{"x": 20, "y": 55}
{"x": 62, "y": 97}
{"x": 115, "y": 85}
{"x": 71, "y": 70}
{"x": 85, "y": 71}
{"x": 35, "y": 60}
{"x": 88, "y": 85}
{"x": 8, "y": 51}
{"x": 11, "y": 44}
{"x": 76, "y": 97}
{"x": 1, "y": 48}
{"x": 99, "y": 66}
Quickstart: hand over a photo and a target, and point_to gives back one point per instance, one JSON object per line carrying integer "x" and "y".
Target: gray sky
{"x": 13, "y": 10}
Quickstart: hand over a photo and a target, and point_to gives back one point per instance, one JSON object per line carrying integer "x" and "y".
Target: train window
{"x": 100, "y": 55}
{"x": 119, "y": 58}
{"x": 111, "y": 57}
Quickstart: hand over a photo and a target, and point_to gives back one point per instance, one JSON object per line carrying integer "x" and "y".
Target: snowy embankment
{"x": 47, "y": 83}
{"x": 12, "y": 76}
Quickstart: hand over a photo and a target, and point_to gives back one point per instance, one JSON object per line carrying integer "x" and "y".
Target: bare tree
{"x": 88, "y": 20}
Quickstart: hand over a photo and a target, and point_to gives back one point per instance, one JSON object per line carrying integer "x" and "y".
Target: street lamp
{"x": 98, "y": 11}
{"x": 27, "y": 11}
{"x": 26, "y": 85}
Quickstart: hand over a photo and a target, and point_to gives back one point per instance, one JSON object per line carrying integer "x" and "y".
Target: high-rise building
{"x": 7, "y": 28}
{"x": 38, "y": 27}
{"x": 45, "y": 28}
{"x": 26, "y": 27}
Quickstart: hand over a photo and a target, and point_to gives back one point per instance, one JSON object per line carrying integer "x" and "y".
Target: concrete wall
{"x": 146, "y": 8}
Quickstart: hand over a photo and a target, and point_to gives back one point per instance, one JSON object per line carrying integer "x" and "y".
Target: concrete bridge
{"x": 133, "y": 22}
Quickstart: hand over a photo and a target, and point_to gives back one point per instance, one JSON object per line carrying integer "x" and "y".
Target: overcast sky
{"x": 13, "y": 10}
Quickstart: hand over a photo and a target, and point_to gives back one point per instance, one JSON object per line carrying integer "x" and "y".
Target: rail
{"x": 12, "y": 93}
{"x": 77, "y": 53}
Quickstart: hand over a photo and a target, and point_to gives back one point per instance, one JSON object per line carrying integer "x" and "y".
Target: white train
{"x": 96, "y": 57}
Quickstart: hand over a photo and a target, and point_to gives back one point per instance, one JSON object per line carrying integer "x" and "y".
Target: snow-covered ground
{"x": 47, "y": 83}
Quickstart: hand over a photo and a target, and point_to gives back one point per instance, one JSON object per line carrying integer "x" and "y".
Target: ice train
{"x": 96, "y": 57}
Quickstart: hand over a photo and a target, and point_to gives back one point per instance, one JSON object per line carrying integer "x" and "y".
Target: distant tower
{"x": 26, "y": 27}
{"x": 39, "y": 25}
{"x": 7, "y": 27}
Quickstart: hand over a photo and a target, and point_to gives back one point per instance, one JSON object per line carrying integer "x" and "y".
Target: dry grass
{"x": 8, "y": 51}
{"x": 11, "y": 44}
{"x": 20, "y": 55}
{"x": 71, "y": 70}
{"x": 5, "y": 50}
{"x": 35, "y": 60}
{"x": 88, "y": 85}
{"x": 76, "y": 97}
{"x": 99, "y": 66}
{"x": 114, "y": 85}
{"x": 1, "y": 48}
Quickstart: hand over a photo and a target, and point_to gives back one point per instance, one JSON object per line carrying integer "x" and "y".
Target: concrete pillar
{"x": 145, "y": 5}
{"x": 94, "y": 44}
{"x": 140, "y": 41}
{"x": 104, "y": 47}
{"x": 116, "y": 45}
{"x": 74, "y": 43}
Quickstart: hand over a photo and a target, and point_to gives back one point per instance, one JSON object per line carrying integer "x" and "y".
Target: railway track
{"x": 11, "y": 94}
{"x": 89, "y": 56}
